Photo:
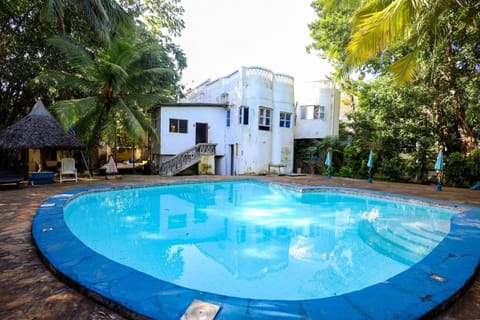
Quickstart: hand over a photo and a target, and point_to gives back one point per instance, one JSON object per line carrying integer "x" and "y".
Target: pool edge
{"x": 328, "y": 307}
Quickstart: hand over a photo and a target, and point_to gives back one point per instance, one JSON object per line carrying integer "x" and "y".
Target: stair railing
{"x": 185, "y": 159}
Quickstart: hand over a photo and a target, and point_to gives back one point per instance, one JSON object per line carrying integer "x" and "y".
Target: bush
{"x": 346, "y": 172}
{"x": 391, "y": 168}
{"x": 472, "y": 167}
{"x": 355, "y": 162}
{"x": 455, "y": 169}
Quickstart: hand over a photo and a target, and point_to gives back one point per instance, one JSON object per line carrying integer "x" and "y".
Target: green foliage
{"x": 434, "y": 43}
{"x": 454, "y": 169}
{"x": 23, "y": 54}
{"x": 472, "y": 167}
{"x": 391, "y": 168}
{"x": 102, "y": 17}
{"x": 461, "y": 171}
{"x": 331, "y": 31}
{"x": 114, "y": 88}
{"x": 145, "y": 68}
{"x": 345, "y": 172}
{"x": 355, "y": 161}
{"x": 163, "y": 18}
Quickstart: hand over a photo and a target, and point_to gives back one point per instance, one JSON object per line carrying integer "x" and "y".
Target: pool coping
{"x": 420, "y": 291}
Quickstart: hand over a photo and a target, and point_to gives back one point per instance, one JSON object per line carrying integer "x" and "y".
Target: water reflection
{"x": 292, "y": 245}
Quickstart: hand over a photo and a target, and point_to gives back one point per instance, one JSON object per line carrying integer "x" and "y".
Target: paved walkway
{"x": 30, "y": 291}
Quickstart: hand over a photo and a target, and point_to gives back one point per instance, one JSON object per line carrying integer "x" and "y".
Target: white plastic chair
{"x": 68, "y": 168}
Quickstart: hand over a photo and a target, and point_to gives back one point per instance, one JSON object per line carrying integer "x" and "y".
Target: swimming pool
{"x": 320, "y": 244}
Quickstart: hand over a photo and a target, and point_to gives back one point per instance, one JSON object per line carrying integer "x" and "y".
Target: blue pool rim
{"x": 421, "y": 291}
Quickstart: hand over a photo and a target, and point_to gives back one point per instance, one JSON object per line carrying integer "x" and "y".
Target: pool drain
{"x": 200, "y": 310}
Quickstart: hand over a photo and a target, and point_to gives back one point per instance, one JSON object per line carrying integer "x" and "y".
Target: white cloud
{"x": 222, "y": 35}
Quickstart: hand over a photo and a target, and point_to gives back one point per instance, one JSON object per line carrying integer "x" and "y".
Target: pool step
{"x": 394, "y": 243}
{"x": 200, "y": 310}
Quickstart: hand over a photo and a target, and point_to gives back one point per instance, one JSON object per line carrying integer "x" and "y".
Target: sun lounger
{"x": 10, "y": 177}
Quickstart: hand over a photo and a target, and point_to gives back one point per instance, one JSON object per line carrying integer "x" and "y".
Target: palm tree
{"x": 379, "y": 24}
{"x": 421, "y": 27}
{"x": 105, "y": 16}
{"x": 111, "y": 89}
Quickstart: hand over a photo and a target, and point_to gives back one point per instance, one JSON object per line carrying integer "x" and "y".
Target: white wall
{"x": 172, "y": 143}
{"x": 253, "y": 149}
{"x": 253, "y": 87}
{"x": 320, "y": 93}
{"x": 282, "y": 142}
{"x": 255, "y": 145}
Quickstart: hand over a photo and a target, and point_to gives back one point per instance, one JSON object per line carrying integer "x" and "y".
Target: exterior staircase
{"x": 186, "y": 159}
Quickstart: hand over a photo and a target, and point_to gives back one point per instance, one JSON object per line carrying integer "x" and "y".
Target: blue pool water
{"x": 251, "y": 240}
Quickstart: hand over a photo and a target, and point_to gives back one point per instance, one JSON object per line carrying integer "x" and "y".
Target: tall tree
{"x": 26, "y": 25}
{"x": 379, "y": 24}
{"x": 23, "y": 54}
{"x": 112, "y": 88}
{"x": 442, "y": 27}
{"x": 105, "y": 17}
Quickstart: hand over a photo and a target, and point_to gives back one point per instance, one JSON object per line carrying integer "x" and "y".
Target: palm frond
{"x": 97, "y": 14}
{"x": 77, "y": 56}
{"x": 90, "y": 124}
{"x": 367, "y": 9}
{"x": 52, "y": 9}
{"x": 105, "y": 16}
{"x": 141, "y": 78}
{"x": 118, "y": 18}
{"x": 136, "y": 122}
{"x": 403, "y": 69}
{"x": 374, "y": 29}
{"x": 146, "y": 100}
{"x": 61, "y": 79}
{"x": 69, "y": 112}
{"x": 123, "y": 52}
{"x": 116, "y": 73}
{"x": 343, "y": 4}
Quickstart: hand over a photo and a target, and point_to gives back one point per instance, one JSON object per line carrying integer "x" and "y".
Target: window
{"x": 321, "y": 112}
{"x": 178, "y": 125}
{"x": 264, "y": 118}
{"x": 243, "y": 115}
{"x": 285, "y": 119}
{"x": 228, "y": 118}
{"x": 312, "y": 112}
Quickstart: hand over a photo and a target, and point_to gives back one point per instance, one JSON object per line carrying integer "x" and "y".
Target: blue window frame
{"x": 285, "y": 119}
{"x": 243, "y": 115}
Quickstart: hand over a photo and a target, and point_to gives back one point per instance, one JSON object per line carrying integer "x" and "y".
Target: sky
{"x": 220, "y": 36}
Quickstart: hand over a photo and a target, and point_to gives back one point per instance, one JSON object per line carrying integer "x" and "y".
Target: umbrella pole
{"x": 86, "y": 164}
{"x": 439, "y": 181}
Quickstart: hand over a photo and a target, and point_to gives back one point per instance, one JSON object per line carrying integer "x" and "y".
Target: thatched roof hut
{"x": 38, "y": 130}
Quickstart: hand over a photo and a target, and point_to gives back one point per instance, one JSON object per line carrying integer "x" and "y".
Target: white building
{"x": 318, "y": 111}
{"x": 249, "y": 115}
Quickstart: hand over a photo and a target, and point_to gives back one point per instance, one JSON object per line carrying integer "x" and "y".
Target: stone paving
{"x": 28, "y": 290}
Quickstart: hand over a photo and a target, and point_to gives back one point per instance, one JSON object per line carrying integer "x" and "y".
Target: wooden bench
{"x": 278, "y": 166}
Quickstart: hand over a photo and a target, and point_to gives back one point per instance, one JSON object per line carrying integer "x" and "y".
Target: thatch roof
{"x": 39, "y": 129}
